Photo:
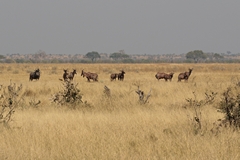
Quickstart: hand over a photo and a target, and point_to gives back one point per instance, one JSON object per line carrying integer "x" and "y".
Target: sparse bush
{"x": 230, "y": 106}
{"x": 9, "y": 101}
{"x": 197, "y": 106}
{"x": 70, "y": 96}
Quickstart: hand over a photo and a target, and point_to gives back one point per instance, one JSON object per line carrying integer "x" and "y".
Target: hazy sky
{"x": 107, "y": 26}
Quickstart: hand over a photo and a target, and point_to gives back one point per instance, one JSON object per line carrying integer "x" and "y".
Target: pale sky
{"x": 107, "y": 26}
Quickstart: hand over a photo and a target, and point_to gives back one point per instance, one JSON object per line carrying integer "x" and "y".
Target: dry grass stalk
{"x": 107, "y": 91}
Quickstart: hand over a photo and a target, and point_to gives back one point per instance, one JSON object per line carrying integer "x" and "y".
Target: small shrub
{"x": 9, "y": 101}
{"x": 70, "y": 96}
{"x": 230, "y": 106}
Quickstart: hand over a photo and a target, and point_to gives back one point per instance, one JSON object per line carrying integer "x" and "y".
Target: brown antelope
{"x": 160, "y": 75}
{"x": 164, "y": 76}
{"x": 113, "y": 76}
{"x": 168, "y": 76}
{"x": 71, "y": 75}
{"x": 185, "y": 75}
{"x": 88, "y": 75}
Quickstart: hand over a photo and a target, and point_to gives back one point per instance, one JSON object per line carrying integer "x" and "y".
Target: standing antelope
{"x": 34, "y": 75}
{"x": 165, "y": 76}
{"x": 168, "y": 76}
{"x": 65, "y": 75}
{"x": 121, "y": 75}
{"x": 185, "y": 75}
{"x": 89, "y": 75}
{"x": 71, "y": 75}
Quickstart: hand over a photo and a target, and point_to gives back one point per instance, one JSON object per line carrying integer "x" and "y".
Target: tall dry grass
{"x": 119, "y": 127}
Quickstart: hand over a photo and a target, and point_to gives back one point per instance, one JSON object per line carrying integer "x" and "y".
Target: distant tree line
{"x": 196, "y": 56}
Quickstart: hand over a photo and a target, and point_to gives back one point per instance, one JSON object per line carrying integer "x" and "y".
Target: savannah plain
{"x": 119, "y": 127}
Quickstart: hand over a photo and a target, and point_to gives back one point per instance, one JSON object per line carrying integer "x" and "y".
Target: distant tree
{"x": 119, "y": 55}
{"x": 218, "y": 56}
{"x": 10, "y": 60}
{"x": 20, "y": 60}
{"x": 40, "y": 54}
{"x": 196, "y": 55}
{"x": 93, "y": 55}
{"x": 2, "y": 57}
{"x": 128, "y": 60}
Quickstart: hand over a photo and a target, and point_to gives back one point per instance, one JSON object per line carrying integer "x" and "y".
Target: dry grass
{"x": 118, "y": 127}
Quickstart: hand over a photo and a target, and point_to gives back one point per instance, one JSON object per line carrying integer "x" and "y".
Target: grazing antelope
{"x": 164, "y": 76}
{"x": 160, "y": 75}
{"x": 88, "y": 75}
{"x": 185, "y": 75}
{"x": 34, "y": 75}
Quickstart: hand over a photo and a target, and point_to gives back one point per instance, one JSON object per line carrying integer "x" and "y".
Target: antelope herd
{"x": 120, "y": 76}
{"x": 113, "y": 76}
{"x": 69, "y": 76}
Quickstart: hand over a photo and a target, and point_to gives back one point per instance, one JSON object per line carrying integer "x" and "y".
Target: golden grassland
{"x": 119, "y": 127}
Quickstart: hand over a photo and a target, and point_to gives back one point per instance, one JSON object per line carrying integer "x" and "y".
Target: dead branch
{"x": 107, "y": 91}
{"x": 142, "y": 96}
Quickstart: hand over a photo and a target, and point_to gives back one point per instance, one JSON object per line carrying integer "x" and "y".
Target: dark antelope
{"x": 185, "y": 75}
{"x": 65, "y": 75}
{"x": 34, "y": 75}
{"x": 89, "y": 75}
{"x": 121, "y": 75}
